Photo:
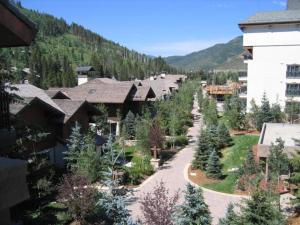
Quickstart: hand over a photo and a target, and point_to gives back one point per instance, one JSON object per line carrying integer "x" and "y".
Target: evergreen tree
{"x": 234, "y": 112}
{"x": 295, "y": 175}
{"x": 114, "y": 201}
{"x": 130, "y": 124}
{"x": 102, "y": 124}
{"x": 202, "y": 152}
{"x": 260, "y": 210}
{"x": 213, "y": 168}
{"x": 264, "y": 114}
{"x": 278, "y": 161}
{"x": 223, "y": 136}
{"x": 231, "y": 217}
{"x": 249, "y": 167}
{"x": 194, "y": 210}
{"x": 210, "y": 113}
{"x": 75, "y": 144}
{"x": 213, "y": 137}
{"x": 89, "y": 163}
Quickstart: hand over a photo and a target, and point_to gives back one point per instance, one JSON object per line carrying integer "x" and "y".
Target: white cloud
{"x": 178, "y": 48}
{"x": 279, "y": 2}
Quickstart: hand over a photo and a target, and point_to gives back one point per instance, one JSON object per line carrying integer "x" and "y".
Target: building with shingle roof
{"x": 272, "y": 40}
{"x": 31, "y": 91}
{"x": 96, "y": 91}
{"x": 163, "y": 85}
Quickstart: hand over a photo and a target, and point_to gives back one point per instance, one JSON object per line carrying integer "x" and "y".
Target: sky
{"x": 159, "y": 27}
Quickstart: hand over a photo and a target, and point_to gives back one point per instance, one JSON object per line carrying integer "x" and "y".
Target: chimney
{"x": 293, "y": 5}
{"x": 82, "y": 79}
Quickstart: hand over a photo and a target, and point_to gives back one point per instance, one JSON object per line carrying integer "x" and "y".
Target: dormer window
{"x": 293, "y": 71}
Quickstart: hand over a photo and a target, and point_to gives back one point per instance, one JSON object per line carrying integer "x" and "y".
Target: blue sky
{"x": 159, "y": 27}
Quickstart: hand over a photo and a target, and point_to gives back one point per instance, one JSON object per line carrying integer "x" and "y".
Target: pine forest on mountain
{"x": 60, "y": 47}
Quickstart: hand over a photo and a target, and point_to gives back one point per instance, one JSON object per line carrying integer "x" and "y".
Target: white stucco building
{"x": 272, "y": 40}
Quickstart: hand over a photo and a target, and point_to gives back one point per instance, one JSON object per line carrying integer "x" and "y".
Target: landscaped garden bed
{"x": 232, "y": 159}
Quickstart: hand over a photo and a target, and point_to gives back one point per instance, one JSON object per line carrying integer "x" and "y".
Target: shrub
{"x": 179, "y": 141}
{"x": 140, "y": 167}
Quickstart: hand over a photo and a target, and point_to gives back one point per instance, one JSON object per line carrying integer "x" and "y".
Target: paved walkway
{"x": 172, "y": 174}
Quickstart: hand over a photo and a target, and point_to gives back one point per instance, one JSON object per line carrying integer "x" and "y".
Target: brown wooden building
{"x": 15, "y": 30}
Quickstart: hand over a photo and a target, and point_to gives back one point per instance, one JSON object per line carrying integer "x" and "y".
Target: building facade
{"x": 272, "y": 42}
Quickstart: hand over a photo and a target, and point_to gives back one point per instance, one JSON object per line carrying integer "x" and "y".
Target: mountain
{"x": 60, "y": 47}
{"x": 220, "y": 57}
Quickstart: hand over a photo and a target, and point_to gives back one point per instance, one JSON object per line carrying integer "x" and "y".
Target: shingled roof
{"x": 70, "y": 107}
{"x": 162, "y": 85}
{"x": 275, "y": 17}
{"x": 31, "y": 91}
{"x": 80, "y": 69}
{"x": 142, "y": 92}
{"x": 18, "y": 106}
{"x": 97, "y": 91}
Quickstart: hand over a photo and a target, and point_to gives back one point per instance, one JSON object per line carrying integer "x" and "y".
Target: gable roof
{"x": 97, "y": 91}
{"x": 274, "y": 17}
{"x": 163, "y": 85}
{"x": 142, "y": 93}
{"x": 84, "y": 69}
{"x": 70, "y": 107}
{"x": 31, "y": 91}
{"x": 17, "y": 107}
{"x": 56, "y": 94}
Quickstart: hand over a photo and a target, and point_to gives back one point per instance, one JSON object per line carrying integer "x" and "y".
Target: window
{"x": 293, "y": 71}
{"x": 293, "y": 90}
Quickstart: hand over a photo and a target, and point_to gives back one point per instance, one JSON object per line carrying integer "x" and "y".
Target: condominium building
{"x": 272, "y": 42}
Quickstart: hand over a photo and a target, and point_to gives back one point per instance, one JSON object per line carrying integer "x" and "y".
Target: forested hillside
{"x": 60, "y": 47}
{"x": 226, "y": 56}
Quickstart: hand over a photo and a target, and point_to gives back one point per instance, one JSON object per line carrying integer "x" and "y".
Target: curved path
{"x": 172, "y": 174}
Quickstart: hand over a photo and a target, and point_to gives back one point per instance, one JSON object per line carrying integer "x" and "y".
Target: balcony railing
{"x": 292, "y": 93}
{"x": 293, "y": 74}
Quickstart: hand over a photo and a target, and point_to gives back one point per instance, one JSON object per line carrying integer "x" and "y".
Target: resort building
{"x": 272, "y": 42}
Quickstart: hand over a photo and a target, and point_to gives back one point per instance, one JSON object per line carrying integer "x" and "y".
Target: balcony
{"x": 291, "y": 93}
{"x": 293, "y": 74}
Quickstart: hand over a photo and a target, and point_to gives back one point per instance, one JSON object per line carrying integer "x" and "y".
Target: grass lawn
{"x": 233, "y": 157}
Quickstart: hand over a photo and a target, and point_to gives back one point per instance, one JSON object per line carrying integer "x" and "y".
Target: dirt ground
{"x": 200, "y": 177}
{"x": 244, "y": 132}
{"x": 294, "y": 221}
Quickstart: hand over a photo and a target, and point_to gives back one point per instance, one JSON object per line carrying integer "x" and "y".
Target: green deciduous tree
{"x": 194, "y": 210}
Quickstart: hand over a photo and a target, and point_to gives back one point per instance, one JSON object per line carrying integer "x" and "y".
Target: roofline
{"x": 42, "y": 103}
{"x": 244, "y": 25}
{"x": 83, "y": 103}
{"x": 18, "y": 14}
